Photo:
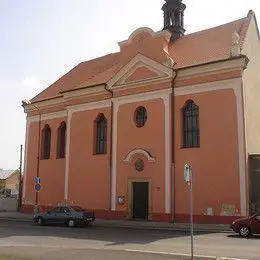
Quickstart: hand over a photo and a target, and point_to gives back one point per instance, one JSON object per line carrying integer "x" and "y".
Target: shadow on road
{"x": 112, "y": 235}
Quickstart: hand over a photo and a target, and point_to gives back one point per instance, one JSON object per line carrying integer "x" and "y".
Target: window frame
{"x": 190, "y": 125}
{"x": 141, "y": 119}
{"x": 46, "y": 152}
{"x": 100, "y": 140}
{"x": 61, "y": 141}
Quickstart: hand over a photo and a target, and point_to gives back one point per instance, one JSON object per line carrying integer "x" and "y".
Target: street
{"x": 35, "y": 242}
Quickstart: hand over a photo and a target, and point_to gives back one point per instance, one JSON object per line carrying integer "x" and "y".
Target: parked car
{"x": 247, "y": 226}
{"x": 70, "y": 216}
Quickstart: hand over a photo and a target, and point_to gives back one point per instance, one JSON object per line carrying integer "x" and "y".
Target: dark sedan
{"x": 247, "y": 226}
{"x": 70, "y": 216}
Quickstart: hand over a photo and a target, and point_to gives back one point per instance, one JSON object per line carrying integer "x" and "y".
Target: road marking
{"x": 228, "y": 258}
{"x": 207, "y": 257}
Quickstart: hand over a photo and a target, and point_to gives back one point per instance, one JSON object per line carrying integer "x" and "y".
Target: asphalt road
{"x": 93, "y": 243}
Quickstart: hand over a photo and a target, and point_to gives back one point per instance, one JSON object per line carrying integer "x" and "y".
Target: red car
{"x": 247, "y": 226}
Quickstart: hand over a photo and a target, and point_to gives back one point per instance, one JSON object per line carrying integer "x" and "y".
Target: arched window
{"x": 101, "y": 135}
{"x": 191, "y": 130}
{"x": 61, "y": 140}
{"x": 140, "y": 116}
{"x": 46, "y": 142}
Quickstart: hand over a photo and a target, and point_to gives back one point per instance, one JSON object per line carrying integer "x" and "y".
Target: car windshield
{"x": 78, "y": 209}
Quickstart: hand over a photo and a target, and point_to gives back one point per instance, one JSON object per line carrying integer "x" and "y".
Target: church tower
{"x": 173, "y": 18}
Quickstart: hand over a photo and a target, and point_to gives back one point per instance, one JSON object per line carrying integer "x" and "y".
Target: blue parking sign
{"x": 37, "y": 187}
{"x": 38, "y": 180}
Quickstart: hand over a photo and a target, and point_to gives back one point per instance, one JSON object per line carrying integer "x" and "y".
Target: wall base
{"x": 204, "y": 219}
{"x": 156, "y": 217}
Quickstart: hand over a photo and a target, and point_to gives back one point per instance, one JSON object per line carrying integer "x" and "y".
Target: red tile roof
{"x": 193, "y": 49}
{"x": 86, "y": 73}
{"x": 208, "y": 45}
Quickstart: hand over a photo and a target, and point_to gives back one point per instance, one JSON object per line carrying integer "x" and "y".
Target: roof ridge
{"x": 245, "y": 26}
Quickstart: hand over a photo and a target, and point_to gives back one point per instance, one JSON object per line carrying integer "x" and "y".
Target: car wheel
{"x": 40, "y": 221}
{"x": 244, "y": 231}
{"x": 71, "y": 223}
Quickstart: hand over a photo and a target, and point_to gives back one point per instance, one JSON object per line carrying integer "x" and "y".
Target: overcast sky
{"x": 43, "y": 39}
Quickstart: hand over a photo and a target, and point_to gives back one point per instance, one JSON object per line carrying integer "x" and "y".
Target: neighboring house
{"x": 116, "y": 131}
{"x": 9, "y": 179}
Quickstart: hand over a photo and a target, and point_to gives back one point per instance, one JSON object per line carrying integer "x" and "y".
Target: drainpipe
{"x": 111, "y": 144}
{"x": 173, "y": 144}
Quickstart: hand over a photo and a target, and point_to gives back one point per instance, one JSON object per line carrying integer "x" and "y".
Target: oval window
{"x": 140, "y": 116}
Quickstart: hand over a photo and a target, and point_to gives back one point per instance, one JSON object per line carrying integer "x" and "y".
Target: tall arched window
{"x": 101, "y": 135}
{"x": 191, "y": 130}
{"x": 46, "y": 142}
{"x": 61, "y": 140}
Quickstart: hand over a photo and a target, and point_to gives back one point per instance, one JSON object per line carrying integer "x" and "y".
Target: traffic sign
{"x": 37, "y": 187}
{"x": 38, "y": 180}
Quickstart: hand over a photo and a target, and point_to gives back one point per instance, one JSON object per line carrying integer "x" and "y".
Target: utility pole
{"x": 20, "y": 180}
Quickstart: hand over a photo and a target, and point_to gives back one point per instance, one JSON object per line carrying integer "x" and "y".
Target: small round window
{"x": 140, "y": 116}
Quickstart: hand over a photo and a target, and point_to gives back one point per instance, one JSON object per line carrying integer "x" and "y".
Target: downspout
{"x": 111, "y": 145}
{"x": 173, "y": 145}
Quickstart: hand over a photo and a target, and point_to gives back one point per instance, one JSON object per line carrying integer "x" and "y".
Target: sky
{"x": 42, "y": 40}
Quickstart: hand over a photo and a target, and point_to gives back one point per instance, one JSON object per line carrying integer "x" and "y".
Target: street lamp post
{"x": 24, "y": 104}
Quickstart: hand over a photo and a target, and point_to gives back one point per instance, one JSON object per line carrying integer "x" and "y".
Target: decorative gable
{"x": 142, "y": 73}
{"x": 140, "y": 69}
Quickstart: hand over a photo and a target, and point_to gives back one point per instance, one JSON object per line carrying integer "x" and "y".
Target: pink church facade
{"x": 116, "y": 132}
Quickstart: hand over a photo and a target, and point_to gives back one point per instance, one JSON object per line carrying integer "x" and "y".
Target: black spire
{"x": 173, "y": 17}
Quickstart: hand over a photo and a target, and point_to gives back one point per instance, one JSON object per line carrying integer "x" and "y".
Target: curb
{"x": 124, "y": 225}
{"x": 15, "y": 219}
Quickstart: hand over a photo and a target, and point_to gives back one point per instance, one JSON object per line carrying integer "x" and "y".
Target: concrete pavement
{"x": 96, "y": 242}
{"x": 19, "y": 217}
{"x": 94, "y": 254}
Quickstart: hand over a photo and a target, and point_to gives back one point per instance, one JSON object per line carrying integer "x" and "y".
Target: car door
{"x": 64, "y": 215}
{"x": 60, "y": 216}
{"x": 51, "y": 216}
{"x": 255, "y": 226}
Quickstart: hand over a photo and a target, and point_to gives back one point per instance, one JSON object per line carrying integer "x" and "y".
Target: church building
{"x": 113, "y": 134}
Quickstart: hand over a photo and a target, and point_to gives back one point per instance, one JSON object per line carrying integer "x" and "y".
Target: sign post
{"x": 188, "y": 180}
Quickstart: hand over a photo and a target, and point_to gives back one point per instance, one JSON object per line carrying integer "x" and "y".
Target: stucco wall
{"x": 215, "y": 163}
{"x": 150, "y": 137}
{"x": 89, "y": 174}
{"x": 51, "y": 172}
{"x": 8, "y": 204}
{"x": 251, "y": 86}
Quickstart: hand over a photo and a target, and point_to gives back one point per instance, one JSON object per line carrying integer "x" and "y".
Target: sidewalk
{"x": 19, "y": 217}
